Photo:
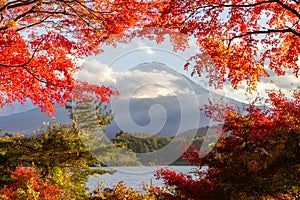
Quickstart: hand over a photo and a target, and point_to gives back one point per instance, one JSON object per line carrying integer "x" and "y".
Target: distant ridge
{"x": 28, "y": 121}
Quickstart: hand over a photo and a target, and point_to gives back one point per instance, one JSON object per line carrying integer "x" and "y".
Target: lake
{"x": 134, "y": 177}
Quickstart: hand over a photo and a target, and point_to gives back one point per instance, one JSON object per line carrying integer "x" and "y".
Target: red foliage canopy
{"x": 40, "y": 42}
{"x": 258, "y": 156}
{"x": 245, "y": 39}
{"x": 29, "y": 185}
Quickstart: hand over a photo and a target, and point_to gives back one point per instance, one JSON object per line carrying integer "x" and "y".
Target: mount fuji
{"x": 154, "y": 99}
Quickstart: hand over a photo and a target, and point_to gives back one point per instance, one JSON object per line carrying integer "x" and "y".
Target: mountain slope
{"x": 28, "y": 121}
{"x": 171, "y": 113}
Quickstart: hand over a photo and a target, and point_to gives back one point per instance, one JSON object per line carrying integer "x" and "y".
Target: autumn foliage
{"x": 240, "y": 40}
{"x": 42, "y": 41}
{"x": 257, "y": 156}
{"x": 30, "y": 186}
{"x": 120, "y": 191}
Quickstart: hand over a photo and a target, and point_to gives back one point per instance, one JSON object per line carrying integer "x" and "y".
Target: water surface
{"x": 134, "y": 177}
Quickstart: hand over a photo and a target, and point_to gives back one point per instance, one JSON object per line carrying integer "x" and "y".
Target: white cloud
{"x": 141, "y": 84}
{"x": 152, "y": 91}
{"x": 135, "y": 83}
{"x": 94, "y": 72}
{"x": 284, "y": 83}
{"x": 148, "y": 49}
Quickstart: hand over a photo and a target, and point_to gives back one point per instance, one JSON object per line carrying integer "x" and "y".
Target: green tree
{"x": 57, "y": 151}
{"x": 90, "y": 118}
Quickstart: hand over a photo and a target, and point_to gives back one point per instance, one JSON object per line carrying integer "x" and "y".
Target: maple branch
{"x": 28, "y": 70}
{"x": 15, "y": 4}
{"x": 33, "y": 9}
{"x": 80, "y": 16}
{"x": 211, "y": 7}
{"x": 24, "y": 14}
{"x": 235, "y": 5}
{"x": 288, "y": 30}
{"x": 91, "y": 10}
{"x": 18, "y": 17}
{"x": 28, "y": 61}
{"x": 34, "y": 24}
{"x": 43, "y": 20}
{"x": 288, "y": 8}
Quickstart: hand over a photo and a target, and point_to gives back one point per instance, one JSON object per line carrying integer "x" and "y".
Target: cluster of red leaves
{"x": 120, "y": 191}
{"x": 240, "y": 39}
{"x": 41, "y": 42}
{"x": 29, "y": 185}
{"x": 182, "y": 186}
{"x": 257, "y": 156}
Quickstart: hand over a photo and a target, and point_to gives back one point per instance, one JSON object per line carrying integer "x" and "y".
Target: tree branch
{"x": 28, "y": 61}
{"x": 15, "y": 4}
{"x": 288, "y": 30}
{"x": 23, "y": 65}
{"x": 235, "y": 5}
{"x": 288, "y": 8}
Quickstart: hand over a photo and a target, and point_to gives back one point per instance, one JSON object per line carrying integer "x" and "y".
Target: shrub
{"x": 29, "y": 185}
{"x": 120, "y": 191}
